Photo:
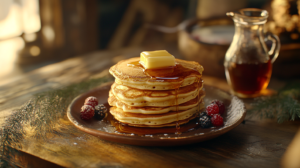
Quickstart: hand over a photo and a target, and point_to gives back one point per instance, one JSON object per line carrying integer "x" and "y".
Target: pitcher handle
{"x": 274, "y": 51}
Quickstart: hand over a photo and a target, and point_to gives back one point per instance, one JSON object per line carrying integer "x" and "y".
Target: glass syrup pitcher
{"x": 248, "y": 61}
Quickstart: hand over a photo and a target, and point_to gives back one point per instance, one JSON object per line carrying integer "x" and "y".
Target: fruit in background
{"x": 217, "y": 120}
{"x": 220, "y": 105}
{"x": 205, "y": 121}
{"x": 100, "y": 111}
{"x": 92, "y": 101}
{"x": 212, "y": 109}
{"x": 87, "y": 112}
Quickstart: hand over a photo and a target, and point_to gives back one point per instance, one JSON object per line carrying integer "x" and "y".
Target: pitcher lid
{"x": 249, "y": 16}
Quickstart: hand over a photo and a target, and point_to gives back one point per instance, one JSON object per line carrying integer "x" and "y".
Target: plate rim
{"x": 148, "y": 141}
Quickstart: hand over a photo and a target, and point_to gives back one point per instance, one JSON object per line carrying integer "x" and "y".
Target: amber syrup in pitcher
{"x": 248, "y": 60}
{"x": 248, "y": 78}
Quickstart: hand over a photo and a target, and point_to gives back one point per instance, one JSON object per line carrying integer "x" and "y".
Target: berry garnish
{"x": 221, "y": 106}
{"x": 203, "y": 114}
{"x": 205, "y": 121}
{"x": 100, "y": 111}
{"x": 217, "y": 120}
{"x": 92, "y": 101}
{"x": 212, "y": 109}
{"x": 87, "y": 112}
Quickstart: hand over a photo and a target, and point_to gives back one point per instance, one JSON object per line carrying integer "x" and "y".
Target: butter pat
{"x": 157, "y": 59}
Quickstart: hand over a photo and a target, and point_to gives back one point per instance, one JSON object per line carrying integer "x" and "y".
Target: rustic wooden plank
{"x": 258, "y": 143}
{"x": 15, "y": 91}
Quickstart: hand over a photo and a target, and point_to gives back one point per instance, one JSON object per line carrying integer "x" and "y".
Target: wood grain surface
{"x": 253, "y": 144}
{"x": 257, "y": 143}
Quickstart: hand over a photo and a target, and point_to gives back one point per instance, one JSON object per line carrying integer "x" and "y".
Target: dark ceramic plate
{"x": 234, "y": 115}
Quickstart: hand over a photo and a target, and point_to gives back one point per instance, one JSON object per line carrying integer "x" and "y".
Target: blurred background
{"x": 34, "y": 33}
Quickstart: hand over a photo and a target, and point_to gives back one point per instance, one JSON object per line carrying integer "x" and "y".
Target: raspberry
{"x": 92, "y": 101}
{"x": 221, "y": 106}
{"x": 100, "y": 111}
{"x": 217, "y": 120}
{"x": 205, "y": 121}
{"x": 212, "y": 109}
{"x": 87, "y": 112}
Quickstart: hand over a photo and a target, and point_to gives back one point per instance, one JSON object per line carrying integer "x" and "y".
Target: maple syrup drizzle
{"x": 198, "y": 80}
{"x": 177, "y": 74}
{"x": 176, "y": 104}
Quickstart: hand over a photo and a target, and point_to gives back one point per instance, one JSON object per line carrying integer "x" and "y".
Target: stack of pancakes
{"x": 141, "y": 100}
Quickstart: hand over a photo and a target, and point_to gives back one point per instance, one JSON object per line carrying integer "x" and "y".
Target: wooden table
{"x": 256, "y": 143}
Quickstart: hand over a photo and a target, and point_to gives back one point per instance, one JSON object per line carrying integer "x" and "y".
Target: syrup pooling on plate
{"x": 140, "y": 131}
{"x": 123, "y": 128}
{"x": 176, "y": 73}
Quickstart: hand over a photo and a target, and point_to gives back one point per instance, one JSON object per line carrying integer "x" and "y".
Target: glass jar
{"x": 248, "y": 60}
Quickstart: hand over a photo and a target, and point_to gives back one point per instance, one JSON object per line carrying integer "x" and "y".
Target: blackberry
{"x": 205, "y": 121}
{"x": 100, "y": 111}
{"x": 202, "y": 114}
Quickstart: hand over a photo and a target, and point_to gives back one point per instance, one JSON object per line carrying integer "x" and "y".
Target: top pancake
{"x": 185, "y": 73}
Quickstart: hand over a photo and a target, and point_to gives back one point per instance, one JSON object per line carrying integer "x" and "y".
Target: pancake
{"x": 185, "y": 73}
{"x": 154, "y": 120}
{"x": 159, "y": 98}
{"x": 113, "y": 101}
{"x": 164, "y": 97}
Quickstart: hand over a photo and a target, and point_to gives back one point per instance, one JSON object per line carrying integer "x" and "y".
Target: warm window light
{"x": 48, "y": 32}
{"x": 17, "y": 17}
{"x": 30, "y": 37}
{"x": 11, "y": 25}
{"x": 8, "y": 53}
{"x": 30, "y": 16}
{"x": 35, "y": 51}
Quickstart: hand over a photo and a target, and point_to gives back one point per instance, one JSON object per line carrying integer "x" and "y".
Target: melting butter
{"x": 157, "y": 59}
